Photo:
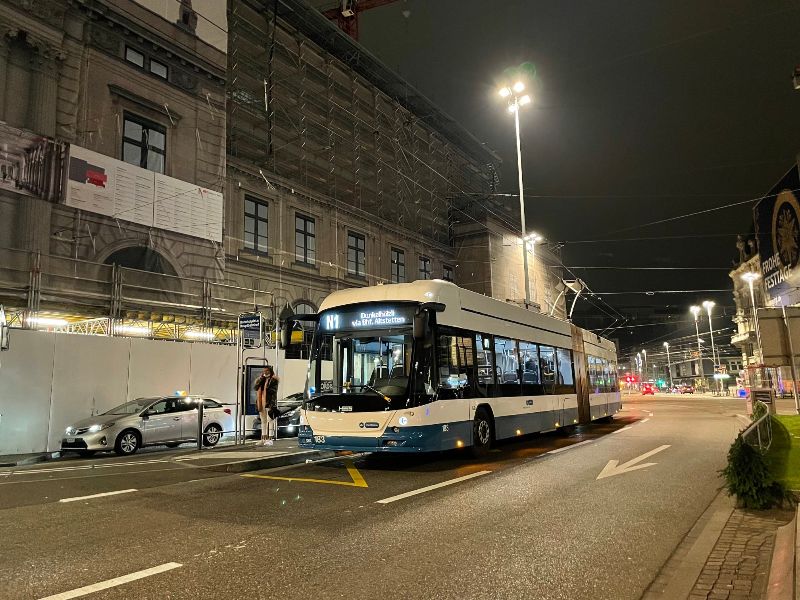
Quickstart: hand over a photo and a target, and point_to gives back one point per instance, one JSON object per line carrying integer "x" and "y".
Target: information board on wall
{"x": 104, "y": 185}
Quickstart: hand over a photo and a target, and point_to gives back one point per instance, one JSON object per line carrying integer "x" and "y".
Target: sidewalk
{"x": 726, "y": 555}
{"x": 226, "y": 458}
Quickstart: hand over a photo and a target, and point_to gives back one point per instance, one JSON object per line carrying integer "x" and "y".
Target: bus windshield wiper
{"x": 372, "y": 389}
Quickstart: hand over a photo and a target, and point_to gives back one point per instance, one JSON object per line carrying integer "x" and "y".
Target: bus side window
{"x": 565, "y": 383}
{"x": 531, "y": 378}
{"x": 456, "y": 367}
{"x": 547, "y": 368}
{"x": 485, "y": 362}
{"x": 507, "y": 367}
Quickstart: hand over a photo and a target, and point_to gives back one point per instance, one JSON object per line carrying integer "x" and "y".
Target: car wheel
{"x": 212, "y": 435}
{"x": 86, "y": 453}
{"x": 481, "y": 433}
{"x": 127, "y": 443}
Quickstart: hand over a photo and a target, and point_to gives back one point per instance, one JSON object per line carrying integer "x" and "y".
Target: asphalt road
{"x": 532, "y": 521}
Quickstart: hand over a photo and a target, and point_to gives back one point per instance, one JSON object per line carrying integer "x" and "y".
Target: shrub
{"x": 747, "y": 476}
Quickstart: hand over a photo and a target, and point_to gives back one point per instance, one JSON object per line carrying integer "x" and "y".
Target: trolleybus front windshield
{"x": 372, "y": 365}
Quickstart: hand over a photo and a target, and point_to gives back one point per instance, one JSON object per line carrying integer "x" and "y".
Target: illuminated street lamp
{"x": 669, "y": 365}
{"x": 515, "y": 102}
{"x": 708, "y": 305}
{"x": 695, "y": 310}
{"x": 750, "y": 278}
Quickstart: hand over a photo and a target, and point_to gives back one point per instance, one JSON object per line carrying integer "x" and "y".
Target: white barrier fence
{"x": 49, "y": 380}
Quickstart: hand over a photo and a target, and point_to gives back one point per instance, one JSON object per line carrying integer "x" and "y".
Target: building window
{"x": 356, "y": 254}
{"x": 255, "y": 225}
{"x": 398, "y": 266}
{"x": 144, "y": 143}
{"x": 305, "y": 241}
{"x": 158, "y": 69}
{"x": 447, "y": 273}
{"x": 134, "y": 56}
{"x": 424, "y": 267}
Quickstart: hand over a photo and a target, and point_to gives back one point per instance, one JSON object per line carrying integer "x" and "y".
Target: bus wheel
{"x": 481, "y": 433}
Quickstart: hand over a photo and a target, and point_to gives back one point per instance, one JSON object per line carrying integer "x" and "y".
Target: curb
{"x": 30, "y": 460}
{"x": 781, "y": 583}
{"x": 268, "y": 462}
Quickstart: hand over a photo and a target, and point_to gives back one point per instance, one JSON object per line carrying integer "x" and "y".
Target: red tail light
{"x": 227, "y": 411}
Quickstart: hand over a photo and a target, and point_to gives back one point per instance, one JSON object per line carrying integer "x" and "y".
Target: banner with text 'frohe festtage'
{"x": 777, "y": 220}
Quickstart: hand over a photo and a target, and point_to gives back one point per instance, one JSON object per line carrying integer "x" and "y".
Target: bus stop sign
{"x": 251, "y": 327}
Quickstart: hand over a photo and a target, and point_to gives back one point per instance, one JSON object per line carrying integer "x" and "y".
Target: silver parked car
{"x": 162, "y": 420}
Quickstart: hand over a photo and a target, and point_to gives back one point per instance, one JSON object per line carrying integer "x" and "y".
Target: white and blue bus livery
{"x": 429, "y": 366}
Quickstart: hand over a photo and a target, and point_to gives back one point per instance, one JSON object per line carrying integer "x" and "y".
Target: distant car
{"x": 289, "y": 419}
{"x": 687, "y": 389}
{"x": 161, "y": 420}
{"x": 648, "y": 388}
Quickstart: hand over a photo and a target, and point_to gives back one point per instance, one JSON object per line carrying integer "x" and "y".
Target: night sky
{"x": 643, "y": 111}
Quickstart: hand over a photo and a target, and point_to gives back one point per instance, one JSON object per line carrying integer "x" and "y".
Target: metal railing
{"x": 759, "y": 433}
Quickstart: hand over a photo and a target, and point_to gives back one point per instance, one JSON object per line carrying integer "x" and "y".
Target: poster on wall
{"x": 777, "y": 220}
{"x": 104, "y": 185}
{"x": 109, "y": 187}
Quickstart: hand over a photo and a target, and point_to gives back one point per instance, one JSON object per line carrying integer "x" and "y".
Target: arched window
{"x": 304, "y": 308}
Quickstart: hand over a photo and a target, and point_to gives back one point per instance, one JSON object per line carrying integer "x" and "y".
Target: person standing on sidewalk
{"x": 267, "y": 404}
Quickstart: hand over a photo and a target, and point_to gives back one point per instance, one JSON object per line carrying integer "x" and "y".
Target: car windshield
{"x": 131, "y": 408}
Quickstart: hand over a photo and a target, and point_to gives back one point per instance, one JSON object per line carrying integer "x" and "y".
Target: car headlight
{"x": 70, "y": 430}
{"x": 96, "y": 428}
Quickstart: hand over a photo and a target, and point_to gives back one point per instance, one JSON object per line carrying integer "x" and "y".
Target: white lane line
{"x": 431, "y": 487}
{"x": 557, "y": 450}
{"x": 77, "y": 498}
{"x": 89, "y": 467}
{"x": 645, "y": 420}
{"x": 621, "y": 430}
{"x": 109, "y": 583}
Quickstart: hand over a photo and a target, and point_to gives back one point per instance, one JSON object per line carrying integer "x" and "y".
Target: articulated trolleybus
{"x": 429, "y": 366}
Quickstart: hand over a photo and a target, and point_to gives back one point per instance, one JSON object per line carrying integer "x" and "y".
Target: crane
{"x": 346, "y": 13}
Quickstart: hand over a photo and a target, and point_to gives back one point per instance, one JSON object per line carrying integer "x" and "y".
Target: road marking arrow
{"x": 614, "y": 468}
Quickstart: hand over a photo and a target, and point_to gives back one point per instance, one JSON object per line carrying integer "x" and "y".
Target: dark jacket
{"x": 271, "y": 392}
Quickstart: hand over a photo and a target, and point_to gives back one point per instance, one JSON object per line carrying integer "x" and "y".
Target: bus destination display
{"x": 368, "y": 318}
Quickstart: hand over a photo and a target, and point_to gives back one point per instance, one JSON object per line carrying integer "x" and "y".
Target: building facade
{"x": 172, "y": 164}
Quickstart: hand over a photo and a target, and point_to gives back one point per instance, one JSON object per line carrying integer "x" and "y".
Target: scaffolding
{"x": 307, "y": 104}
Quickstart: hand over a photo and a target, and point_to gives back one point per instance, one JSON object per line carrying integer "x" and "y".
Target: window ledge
{"x": 305, "y": 265}
{"x": 120, "y": 92}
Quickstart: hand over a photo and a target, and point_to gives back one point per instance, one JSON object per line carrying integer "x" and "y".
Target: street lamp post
{"x": 639, "y": 367}
{"x": 669, "y": 365}
{"x": 695, "y": 310}
{"x": 532, "y": 238}
{"x": 750, "y": 278}
{"x": 708, "y": 305}
{"x": 515, "y": 102}
{"x": 644, "y": 354}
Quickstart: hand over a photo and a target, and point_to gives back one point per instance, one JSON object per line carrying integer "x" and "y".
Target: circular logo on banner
{"x": 786, "y": 228}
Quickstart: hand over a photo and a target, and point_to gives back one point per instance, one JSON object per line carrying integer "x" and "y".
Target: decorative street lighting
{"x": 708, "y": 305}
{"x": 695, "y": 310}
{"x": 669, "y": 365}
{"x": 515, "y": 102}
{"x": 750, "y": 278}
